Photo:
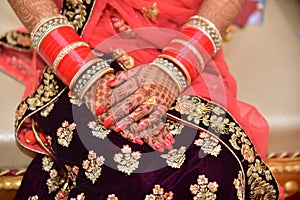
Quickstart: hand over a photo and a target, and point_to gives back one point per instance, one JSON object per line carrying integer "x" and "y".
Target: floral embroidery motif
{"x": 151, "y": 12}
{"x": 92, "y": 166}
{"x": 46, "y": 111}
{"x": 53, "y": 182}
{"x": 21, "y": 110}
{"x": 248, "y": 153}
{"x": 65, "y": 133}
{"x": 112, "y": 197}
{"x": 98, "y": 130}
{"x": 47, "y": 163}
{"x": 127, "y": 160}
{"x": 35, "y": 197}
{"x": 17, "y": 39}
{"x": 79, "y": 197}
{"x": 204, "y": 114}
{"x": 260, "y": 188}
{"x": 175, "y": 157}
{"x": 72, "y": 173}
{"x": 76, "y": 12}
{"x": 208, "y": 144}
{"x": 239, "y": 185}
{"x": 204, "y": 190}
{"x": 45, "y": 91}
{"x": 174, "y": 127}
{"x": 159, "y": 194}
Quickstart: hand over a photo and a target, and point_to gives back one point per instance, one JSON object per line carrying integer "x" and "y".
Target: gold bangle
{"x": 179, "y": 65}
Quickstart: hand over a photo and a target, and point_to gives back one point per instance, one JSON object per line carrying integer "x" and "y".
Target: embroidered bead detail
{"x": 248, "y": 153}
{"x": 65, "y": 133}
{"x": 47, "y": 163}
{"x": 112, "y": 197}
{"x": 159, "y": 194}
{"x": 98, "y": 130}
{"x": 53, "y": 182}
{"x": 208, "y": 144}
{"x": 92, "y": 166}
{"x": 127, "y": 160}
{"x": 79, "y": 197}
{"x": 204, "y": 190}
{"x": 175, "y": 128}
{"x": 35, "y": 197}
{"x": 151, "y": 12}
{"x": 175, "y": 157}
{"x": 46, "y": 111}
{"x": 72, "y": 173}
{"x": 240, "y": 186}
{"x": 258, "y": 176}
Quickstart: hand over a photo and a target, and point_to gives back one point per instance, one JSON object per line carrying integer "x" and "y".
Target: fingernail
{"x": 158, "y": 147}
{"x": 138, "y": 141}
{"x": 167, "y": 143}
{"x": 111, "y": 83}
{"x": 119, "y": 127}
{"x": 108, "y": 122}
{"x": 140, "y": 127}
{"x": 170, "y": 138}
{"x": 99, "y": 110}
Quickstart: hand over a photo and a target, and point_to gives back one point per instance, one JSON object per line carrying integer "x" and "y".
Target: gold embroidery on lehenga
{"x": 65, "y": 133}
{"x": 45, "y": 91}
{"x": 98, "y": 130}
{"x": 204, "y": 190}
{"x": 258, "y": 177}
{"x": 175, "y": 157}
{"x": 46, "y": 111}
{"x": 215, "y": 118}
{"x": 174, "y": 127}
{"x": 208, "y": 144}
{"x": 54, "y": 182}
{"x": 127, "y": 160}
{"x": 239, "y": 185}
{"x": 92, "y": 166}
{"x": 76, "y": 12}
{"x": 16, "y": 39}
{"x": 47, "y": 163}
{"x": 159, "y": 194}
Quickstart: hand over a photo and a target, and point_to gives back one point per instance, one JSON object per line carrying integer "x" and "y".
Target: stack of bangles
{"x": 186, "y": 55}
{"x": 72, "y": 60}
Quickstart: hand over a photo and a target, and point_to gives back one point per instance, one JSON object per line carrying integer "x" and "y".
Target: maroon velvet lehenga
{"x": 220, "y": 141}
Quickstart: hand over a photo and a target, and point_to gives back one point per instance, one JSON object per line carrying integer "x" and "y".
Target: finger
{"x": 118, "y": 94}
{"x": 153, "y": 117}
{"x": 141, "y": 112}
{"x": 158, "y": 141}
{"x": 120, "y": 77}
{"x": 129, "y": 104}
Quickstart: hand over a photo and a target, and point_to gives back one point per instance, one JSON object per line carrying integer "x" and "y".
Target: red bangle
{"x": 200, "y": 38}
{"x": 188, "y": 65}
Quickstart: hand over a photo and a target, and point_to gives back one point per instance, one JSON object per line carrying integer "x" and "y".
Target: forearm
{"x": 30, "y": 12}
{"x": 220, "y": 12}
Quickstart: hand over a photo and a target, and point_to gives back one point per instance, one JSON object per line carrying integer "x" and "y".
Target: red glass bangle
{"x": 188, "y": 65}
{"x": 55, "y": 41}
{"x": 200, "y": 38}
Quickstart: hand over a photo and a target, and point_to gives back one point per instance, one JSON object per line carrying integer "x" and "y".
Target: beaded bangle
{"x": 46, "y": 26}
{"x": 83, "y": 76}
{"x": 178, "y": 64}
{"x": 93, "y": 79}
{"x": 65, "y": 51}
{"x": 193, "y": 49}
{"x": 172, "y": 71}
{"x": 208, "y": 28}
